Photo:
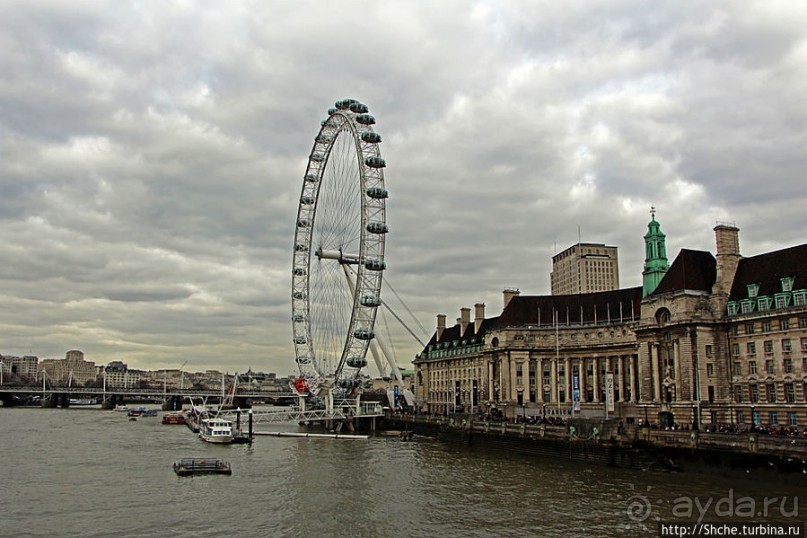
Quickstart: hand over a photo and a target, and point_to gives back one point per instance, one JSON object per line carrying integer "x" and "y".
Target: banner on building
{"x": 576, "y": 392}
{"x": 474, "y": 393}
{"x": 457, "y": 393}
{"x": 609, "y": 392}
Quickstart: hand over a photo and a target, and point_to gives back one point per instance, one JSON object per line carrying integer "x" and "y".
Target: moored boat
{"x": 173, "y": 418}
{"x": 195, "y": 466}
{"x": 216, "y": 430}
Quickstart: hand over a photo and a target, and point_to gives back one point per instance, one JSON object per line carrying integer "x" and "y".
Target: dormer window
{"x": 787, "y": 284}
{"x": 753, "y": 289}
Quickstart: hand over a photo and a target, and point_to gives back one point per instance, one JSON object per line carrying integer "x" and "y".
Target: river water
{"x": 93, "y": 473}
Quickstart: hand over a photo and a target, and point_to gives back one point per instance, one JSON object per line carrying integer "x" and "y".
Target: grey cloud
{"x": 151, "y": 156}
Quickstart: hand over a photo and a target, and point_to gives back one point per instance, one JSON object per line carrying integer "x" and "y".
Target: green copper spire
{"x": 655, "y": 263}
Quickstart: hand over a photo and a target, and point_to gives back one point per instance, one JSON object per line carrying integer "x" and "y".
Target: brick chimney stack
{"x": 479, "y": 316}
{"x": 464, "y": 320}
{"x": 509, "y": 294}
{"x": 441, "y": 325}
{"x": 727, "y": 238}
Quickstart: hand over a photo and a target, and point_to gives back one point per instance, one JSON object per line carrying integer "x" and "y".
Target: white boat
{"x": 216, "y": 430}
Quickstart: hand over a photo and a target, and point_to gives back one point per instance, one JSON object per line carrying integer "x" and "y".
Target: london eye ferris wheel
{"x": 338, "y": 259}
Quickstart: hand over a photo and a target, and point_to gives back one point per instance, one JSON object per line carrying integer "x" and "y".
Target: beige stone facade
{"x": 72, "y": 370}
{"x": 585, "y": 268}
{"x": 24, "y": 368}
{"x": 686, "y": 353}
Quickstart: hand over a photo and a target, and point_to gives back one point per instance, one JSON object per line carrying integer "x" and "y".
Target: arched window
{"x": 662, "y": 316}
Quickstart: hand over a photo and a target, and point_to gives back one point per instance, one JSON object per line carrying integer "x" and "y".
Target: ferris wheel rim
{"x": 348, "y": 119}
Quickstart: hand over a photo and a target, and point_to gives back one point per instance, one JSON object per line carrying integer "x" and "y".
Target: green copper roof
{"x": 655, "y": 263}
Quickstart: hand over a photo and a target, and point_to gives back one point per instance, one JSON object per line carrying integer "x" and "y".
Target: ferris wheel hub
{"x": 338, "y": 255}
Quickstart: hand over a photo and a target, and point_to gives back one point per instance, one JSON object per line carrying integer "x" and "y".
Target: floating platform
{"x": 199, "y": 466}
{"x": 314, "y": 435}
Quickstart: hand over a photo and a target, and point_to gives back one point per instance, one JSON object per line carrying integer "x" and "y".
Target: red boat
{"x": 173, "y": 418}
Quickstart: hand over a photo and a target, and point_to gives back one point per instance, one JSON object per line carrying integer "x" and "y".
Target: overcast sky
{"x": 152, "y": 155}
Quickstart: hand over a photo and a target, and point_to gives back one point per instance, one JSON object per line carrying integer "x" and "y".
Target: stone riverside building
{"x": 709, "y": 339}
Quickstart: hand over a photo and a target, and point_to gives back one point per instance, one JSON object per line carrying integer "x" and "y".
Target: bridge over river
{"x": 109, "y": 397}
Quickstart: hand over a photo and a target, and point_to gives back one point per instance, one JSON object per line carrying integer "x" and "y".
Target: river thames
{"x": 93, "y": 473}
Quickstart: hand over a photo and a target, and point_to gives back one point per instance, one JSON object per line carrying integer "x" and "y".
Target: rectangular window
{"x": 756, "y": 417}
{"x": 787, "y": 347}
{"x": 799, "y": 299}
{"x": 749, "y": 328}
{"x": 708, "y": 350}
{"x": 770, "y": 393}
{"x": 792, "y": 418}
{"x": 738, "y": 369}
{"x": 710, "y": 369}
{"x": 746, "y": 307}
{"x": 781, "y": 301}
{"x": 803, "y": 322}
{"x": 763, "y": 304}
{"x": 787, "y": 284}
{"x": 769, "y": 367}
{"x": 752, "y": 367}
{"x": 766, "y": 326}
{"x": 735, "y": 350}
{"x": 735, "y": 330}
{"x": 790, "y": 393}
{"x": 751, "y": 348}
{"x": 804, "y": 344}
{"x": 740, "y": 417}
{"x": 732, "y": 309}
{"x": 768, "y": 346}
{"x": 774, "y": 416}
{"x": 753, "y": 393}
{"x": 753, "y": 289}
{"x": 784, "y": 324}
{"x": 788, "y": 366}
{"x": 738, "y": 394}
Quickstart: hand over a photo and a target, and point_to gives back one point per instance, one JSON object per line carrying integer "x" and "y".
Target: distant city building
{"x": 585, "y": 268}
{"x": 117, "y": 374}
{"x": 73, "y": 369}
{"x": 717, "y": 339}
{"x": 23, "y": 368}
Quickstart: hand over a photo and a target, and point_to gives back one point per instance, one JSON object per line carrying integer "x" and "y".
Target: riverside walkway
{"x": 611, "y": 433}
